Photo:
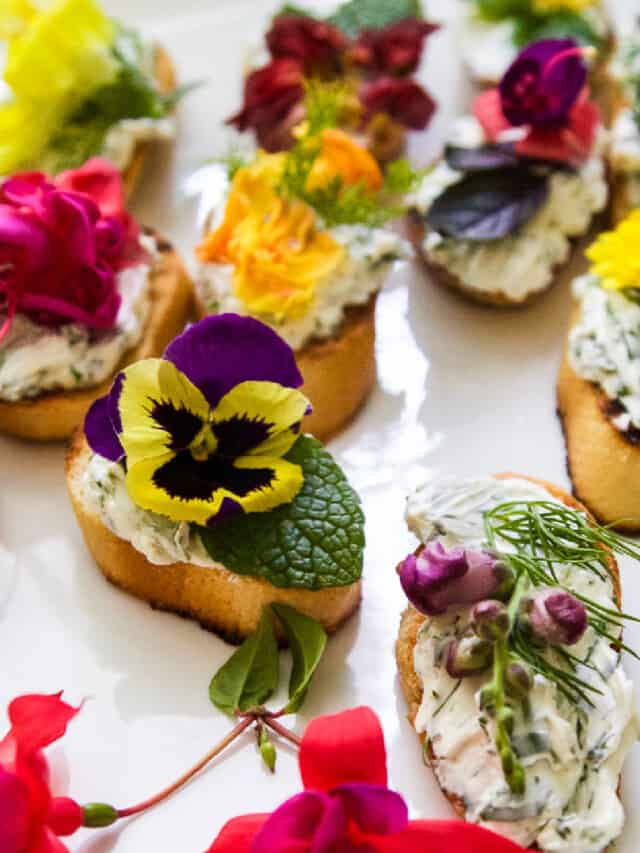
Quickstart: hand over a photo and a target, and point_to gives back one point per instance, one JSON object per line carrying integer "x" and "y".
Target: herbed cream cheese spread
{"x": 368, "y": 257}
{"x": 604, "y": 346}
{"x": 123, "y": 138}
{"x": 572, "y": 755}
{"x": 522, "y": 263}
{"x": 35, "y": 359}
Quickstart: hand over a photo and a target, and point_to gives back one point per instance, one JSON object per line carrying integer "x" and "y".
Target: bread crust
{"x": 339, "y": 373}
{"x": 411, "y": 621}
{"x": 220, "y": 600}
{"x": 166, "y": 81}
{"x": 603, "y": 464}
{"x": 53, "y": 416}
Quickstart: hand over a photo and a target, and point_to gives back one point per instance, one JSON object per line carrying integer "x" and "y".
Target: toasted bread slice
{"x": 339, "y": 373}
{"x": 603, "y": 464}
{"x": 166, "y": 81}
{"x": 54, "y": 415}
{"x": 220, "y": 600}
{"x": 411, "y": 622}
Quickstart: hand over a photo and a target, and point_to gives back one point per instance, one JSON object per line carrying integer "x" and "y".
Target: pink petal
{"x": 307, "y": 823}
{"x": 238, "y": 834}
{"x": 38, "y": 720}
{"x": 375, "y": 809}
{"x": 14, "y": 813}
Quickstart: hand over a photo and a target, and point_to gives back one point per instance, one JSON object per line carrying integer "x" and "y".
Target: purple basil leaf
{"x": 482, "y": 158}
{"x": 488, "y": 205}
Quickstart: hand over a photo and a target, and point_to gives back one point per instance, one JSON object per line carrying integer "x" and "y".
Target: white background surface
{"x": 462, "y": 390}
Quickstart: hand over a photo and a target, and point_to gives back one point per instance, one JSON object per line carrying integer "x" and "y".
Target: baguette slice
{"x": 220, "y": 600}
{"x": 166, "y": 81}
{"x": 411, "y": 622}
{"x": 603, "y": 464}
{"x": 339, "y": 373}
{"x": 53, "y": 416}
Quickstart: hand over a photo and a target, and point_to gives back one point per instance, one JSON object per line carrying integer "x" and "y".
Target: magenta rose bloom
{"x": 404, "y": 101}
{"x": 317, "y": 46}
{"x": 395, "y": 49}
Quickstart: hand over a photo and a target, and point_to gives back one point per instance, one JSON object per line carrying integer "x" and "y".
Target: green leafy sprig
{"x": 353, "y": 16}
{"x": 530, "y": 25}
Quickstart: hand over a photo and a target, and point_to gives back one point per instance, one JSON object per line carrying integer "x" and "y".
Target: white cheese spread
{"x": 572, "y": 756}
{"x": 604, "y": 345}
{"x": 522, "y": 263}
{"x": 35, "y": 359}
{"x": 122, "y": 139}
{"x": 369, "y": 253}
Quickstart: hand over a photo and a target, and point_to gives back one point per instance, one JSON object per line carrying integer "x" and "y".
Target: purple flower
{"x": 436, "y": 579}
{"x": 322, "y": 822}
{"x": 555, "y": 616}
{"x": 543, "y": 84}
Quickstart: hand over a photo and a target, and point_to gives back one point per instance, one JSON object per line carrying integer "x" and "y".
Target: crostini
{"x": 196, "y": 490}
{"x": 366, "y": 56}
{"x": 509, "y": 659}
{"x": 624, "y": 144}
{"x": 83, "y": 292}
{"x": 492, "y": 32}
{"x": 522, "y": 178}
{"x": 297, "y": 240}
{"x": 599, "y": 381}
{"x": 109, "y": 93}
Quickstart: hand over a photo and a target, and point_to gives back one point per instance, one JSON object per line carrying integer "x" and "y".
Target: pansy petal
{"x": 14, "y": 813}
{"x": 454, "y": 836}
{"x": 286, "y": 482}
{"x": 271, "y": 406}
{"x": 160, "y": 410}
{"x": 100, "y": 431}
{"x": 39, "y": 720}
{"x": 237, "y": 835}
{"x": 223, "y": 350}
{"x": 343, "y": 748}
{"x": 307, "y": 823}
{"x": 374, "y": 808}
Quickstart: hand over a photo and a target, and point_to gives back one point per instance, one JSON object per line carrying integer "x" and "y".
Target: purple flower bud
{"x": 437, "y": 579}
{"x": 490, "y": 620}
{"x": 468, "y": 656}
{"x": 556, "y": 617}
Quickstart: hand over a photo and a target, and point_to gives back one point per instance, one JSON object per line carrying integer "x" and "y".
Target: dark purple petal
{"x": 114, "y": 401}
{"x": 228, "y": 509}
{"x": 223, "y": 350}
{"x": 543, "y": 84}
{"x": 375, "y": 809}
{"x": 309, "y": 818}
{"x": 100, "y": 432}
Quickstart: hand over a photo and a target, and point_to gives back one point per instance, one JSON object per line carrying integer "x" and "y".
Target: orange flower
{"x": 278, "y": 255}
{"x": 341, "y": 157}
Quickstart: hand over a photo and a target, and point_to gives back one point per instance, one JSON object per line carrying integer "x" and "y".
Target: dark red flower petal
{"x": 65, "y": 816}
{"x": 445, "y": 836}
{"x": 395, "y": 49}
{"x": 315, "y": 44}
{"x": 238, "y": 834}
{"x": 39, "y": 720}
{"x": 343, "y": 748}
{"x": 405, "y": 101}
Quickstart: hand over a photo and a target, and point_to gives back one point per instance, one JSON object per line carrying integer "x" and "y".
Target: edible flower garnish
{"x": 346, "y": 804}
{"x": 554, "y": 616}
{"x": 204, "y": 429}
{"x": 615, "y": 255}
{"x": 62, "y": 243}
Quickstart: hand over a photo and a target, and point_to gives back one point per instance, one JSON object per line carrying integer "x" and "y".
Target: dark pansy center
{"x": 239, "y": 434}
{"x": 190, "y": 479}
{"x": 181, "y": 424}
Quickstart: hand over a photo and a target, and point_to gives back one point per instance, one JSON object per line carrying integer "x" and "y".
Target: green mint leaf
{"x": 314, "y": 542}
{"x": 307, "y": 641}
{"x": 251, "y": 674}
{"x": 357, "y": 15}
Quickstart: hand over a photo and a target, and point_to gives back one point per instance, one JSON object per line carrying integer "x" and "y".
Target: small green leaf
{"x": 357, "y": 15}
{"x": 307, "y": 640}
{"x": 252, "y": 672}
{"x": 314, "y": 542}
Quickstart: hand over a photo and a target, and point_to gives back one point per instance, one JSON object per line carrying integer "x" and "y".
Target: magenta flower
{"x": 436, "y": 579}
{"x": 555, "y": 616}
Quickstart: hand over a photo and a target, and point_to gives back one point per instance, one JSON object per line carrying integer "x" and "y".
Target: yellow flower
{"x": 341, "y": 157}
{"x": 55, "y": 59}
{"x": 546, "y": 6}
{"x": 278, "y": 255}
{"x": 615, "y": 255}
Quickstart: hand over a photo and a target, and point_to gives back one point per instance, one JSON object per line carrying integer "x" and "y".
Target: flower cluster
{"x": 204, "y": 430}
{"x": 376, "y": 67}
{"x": 62, "y": 243}
{"x": 543, "y": 102}
{"x": 615, "y": 255}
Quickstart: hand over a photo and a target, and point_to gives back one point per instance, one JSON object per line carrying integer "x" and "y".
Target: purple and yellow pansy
{"x": 203, "y": 430}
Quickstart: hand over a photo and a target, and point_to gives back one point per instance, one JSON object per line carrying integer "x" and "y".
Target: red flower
{"x": 571, "y": 144}
{"x": 273, "y": 98}
{"x": 317, "y": 46}
{"x": 395, "y": 49}
{"x": 405, "y": 101}
{"x": 346, "y": 804}
{"x": 31, "y": 819}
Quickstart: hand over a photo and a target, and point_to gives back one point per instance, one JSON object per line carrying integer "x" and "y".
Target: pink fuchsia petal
{"x": 238, "y": 834}
{"x": 14, "y": 813}
{"x": 72, "y": 218}
{"x": 343, "y": 748}
{"x": 38, "y": 720}
{"x": 45, "y": 841}
{"x": 375, "y": 809}
{"x": 309, "y": 822}
{"x": 445, "y": 836}
{"x": 65, "y": 816}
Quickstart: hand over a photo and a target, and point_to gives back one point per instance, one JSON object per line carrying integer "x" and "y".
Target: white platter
{"x": 461, "y": 390}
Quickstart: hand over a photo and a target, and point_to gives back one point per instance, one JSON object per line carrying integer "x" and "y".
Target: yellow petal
{"x": 287, "y": 482}
{"x": 615, "y": 255}
{"x": 14, "y": 16}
